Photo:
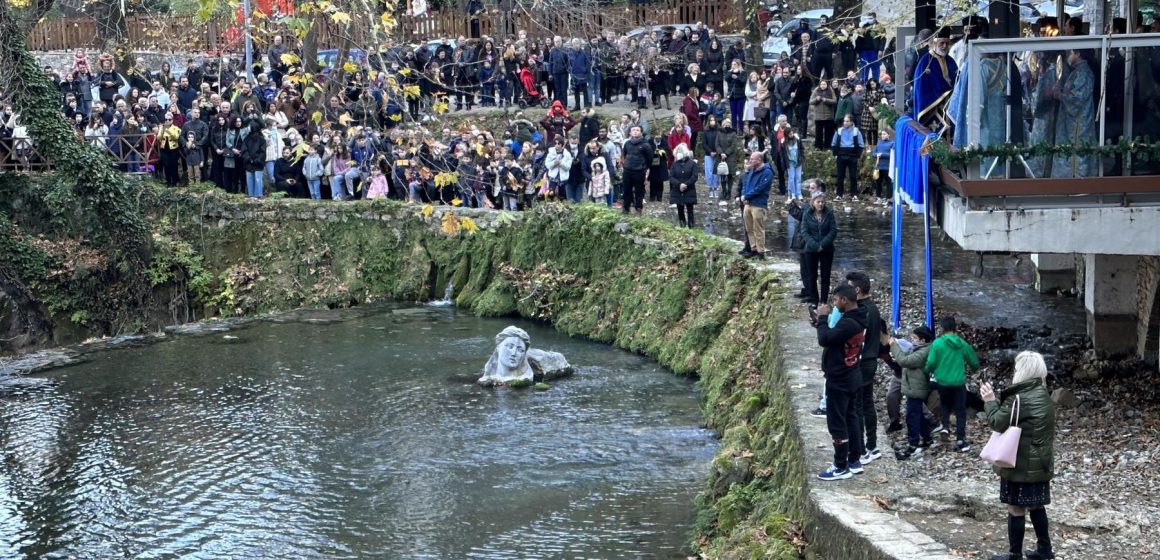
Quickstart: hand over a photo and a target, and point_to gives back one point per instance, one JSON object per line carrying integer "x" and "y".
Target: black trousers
{"x": 847, "y": 165}
{"x": 818, "y": 289}
{"x": 656, "y": 190}
{"x": 840, "y": 405}
{"x": 633, "y": 189}
{"x": 869, "y": 414}
{"x": 824, "y": 133}
{"x": 883, "y": 179}
{"x": 685, "y": 215}
{"x": 169, "y": 159}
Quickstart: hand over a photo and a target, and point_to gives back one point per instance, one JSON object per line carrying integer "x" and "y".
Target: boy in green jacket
{"x": 947, "y": 361}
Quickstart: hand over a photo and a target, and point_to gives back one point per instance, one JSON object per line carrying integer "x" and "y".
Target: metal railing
{"x": 1036, "y": 111}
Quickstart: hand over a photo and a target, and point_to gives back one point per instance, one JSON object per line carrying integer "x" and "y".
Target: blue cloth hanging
{"x": 911, "y": 170}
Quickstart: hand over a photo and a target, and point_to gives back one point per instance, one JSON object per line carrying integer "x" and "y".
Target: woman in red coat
{"x": 691, "y": 108}
{"x": 679, "y": 134}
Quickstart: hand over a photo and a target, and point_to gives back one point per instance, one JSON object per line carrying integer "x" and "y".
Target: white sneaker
{"x": 870, "y": 456}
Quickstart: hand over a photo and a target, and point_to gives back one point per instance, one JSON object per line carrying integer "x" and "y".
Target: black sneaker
{"x": 894, "y": 427}
{"x": 911, "y": 452}
{"x": 962, "y": 446}
{"x": 746, "y": 253}
{"x": 818, "y": 413}
{"x": 1036, "y": 554}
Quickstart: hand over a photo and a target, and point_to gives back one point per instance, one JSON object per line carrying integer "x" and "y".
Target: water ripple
{"x": 356, "y": 439}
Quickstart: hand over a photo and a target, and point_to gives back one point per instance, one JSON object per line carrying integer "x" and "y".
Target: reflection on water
{"x": 997, "y": 293}
{"x": 357, "y": 439}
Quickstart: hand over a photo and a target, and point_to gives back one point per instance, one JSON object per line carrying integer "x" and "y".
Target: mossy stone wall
{"x": 682, "y": 298}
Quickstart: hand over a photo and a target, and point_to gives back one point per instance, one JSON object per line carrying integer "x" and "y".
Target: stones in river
{"x": 548, "y": 365}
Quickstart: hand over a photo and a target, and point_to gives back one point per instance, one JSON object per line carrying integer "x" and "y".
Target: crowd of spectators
{"x": 378, "y": 134}
{"x": 374, "y": 129}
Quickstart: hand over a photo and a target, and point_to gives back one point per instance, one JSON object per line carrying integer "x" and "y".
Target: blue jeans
{"x": 711, "y": 179}
{"x": 315, "y": 186}
{"x": 575, "y": 193}
{"x": 254, "y": 187}
{"x": 917, "y": 426}
{"x": 955, "y": 397}
{"x": 594, "y": 87}
{"x": 794, "y": 181}
{"x": 868, "y": 65}
{"x": 270, "y": 170}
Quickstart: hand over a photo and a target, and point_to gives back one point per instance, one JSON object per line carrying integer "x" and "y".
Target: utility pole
{"x": 249, "y": 43}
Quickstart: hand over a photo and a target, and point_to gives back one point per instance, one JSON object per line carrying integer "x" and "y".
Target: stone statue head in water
{"x": 509, "y": 360}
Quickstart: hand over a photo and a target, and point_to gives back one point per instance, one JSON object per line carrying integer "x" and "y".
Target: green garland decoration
{"x": 945, "y": 155}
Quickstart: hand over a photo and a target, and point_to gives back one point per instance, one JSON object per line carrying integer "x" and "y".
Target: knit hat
{"x": 817, "y": 194}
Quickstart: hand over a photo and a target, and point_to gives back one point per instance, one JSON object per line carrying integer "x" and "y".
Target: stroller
{"x": 531, "y": 94}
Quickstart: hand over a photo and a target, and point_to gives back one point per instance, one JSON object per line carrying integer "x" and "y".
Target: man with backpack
{"x": 848, "y": 145}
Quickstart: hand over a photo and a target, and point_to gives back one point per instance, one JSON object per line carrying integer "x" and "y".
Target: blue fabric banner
{"x": 910, "y": 171}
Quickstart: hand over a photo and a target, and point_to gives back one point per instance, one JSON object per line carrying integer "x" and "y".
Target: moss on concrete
{"x": 683, "y": 298}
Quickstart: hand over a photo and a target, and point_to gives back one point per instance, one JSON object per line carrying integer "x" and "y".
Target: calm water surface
{"x": 355, "y": 439}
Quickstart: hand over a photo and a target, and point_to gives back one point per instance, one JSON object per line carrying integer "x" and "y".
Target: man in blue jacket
{"x": 558, "y": 68}
{"x": 755, "y": 198}
{"x": 580, "y": 66}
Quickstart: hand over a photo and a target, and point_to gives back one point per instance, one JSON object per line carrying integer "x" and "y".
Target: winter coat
{"x": 312, "y": 167}
{"x": 683, "y": 171}
{"x": 915, "y": 383}
{"x": 559, "y": 164}
{"x": 638, "y": 154}
{"x": 755, "y": 188}
{"x": 842, "y": 349}
{"x": 824, "y": 103}
{"x": 1035, "y": 460}
{"x": 692, "y": 111}
{"x": 710, "y": 138}
{"x": 254, "y": 151}
{"x": 601, "y": 183}
{"x": 658, "y": 169}
{"x": 819, "y": 235}
{"x": 946, "y": 361}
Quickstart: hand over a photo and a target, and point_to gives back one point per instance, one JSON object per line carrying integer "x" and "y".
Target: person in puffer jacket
{"x": 946, "y": 362}
{"x": 1026, "y": 487}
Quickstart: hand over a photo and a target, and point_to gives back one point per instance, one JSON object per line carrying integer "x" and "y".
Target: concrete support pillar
{"x": 1111, "y": 300}
{"x": 1053, "y": 272}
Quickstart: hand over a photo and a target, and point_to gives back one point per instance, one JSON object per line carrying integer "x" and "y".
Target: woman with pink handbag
{"x": 1025, "y": 487}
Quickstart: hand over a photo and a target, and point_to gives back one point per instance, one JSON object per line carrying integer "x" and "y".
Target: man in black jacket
{"x": 866, "y": 449}
{"x": 638, "y": 155}
{"x": 841, "y": 355}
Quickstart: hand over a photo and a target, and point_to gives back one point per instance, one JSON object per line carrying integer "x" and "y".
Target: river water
{"x": 994, "y": 291}
{"x": 356, "y": 438}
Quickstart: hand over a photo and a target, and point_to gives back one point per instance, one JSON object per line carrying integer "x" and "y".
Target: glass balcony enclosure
{"x": 1060, "y": 98}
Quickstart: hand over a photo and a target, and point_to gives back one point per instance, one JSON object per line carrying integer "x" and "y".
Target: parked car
{"x": 778, "y": 41}
{"x": 326, "y": 58}
{"x": 640, "y": 32}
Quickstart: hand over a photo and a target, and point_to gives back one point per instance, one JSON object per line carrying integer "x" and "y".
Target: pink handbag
{"x": 1003, "y": 448}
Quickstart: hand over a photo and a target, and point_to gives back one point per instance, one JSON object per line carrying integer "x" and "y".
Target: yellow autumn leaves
{"x": 450, "y": 224}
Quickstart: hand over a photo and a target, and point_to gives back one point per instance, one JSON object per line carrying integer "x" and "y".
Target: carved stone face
{"x": 511, "y": 352}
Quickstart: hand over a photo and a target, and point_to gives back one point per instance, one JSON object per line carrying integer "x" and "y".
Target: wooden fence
{"x": 183, "y": 33}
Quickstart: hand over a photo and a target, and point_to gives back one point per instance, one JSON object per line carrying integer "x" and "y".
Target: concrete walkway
{"x": 851, "y": 525}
